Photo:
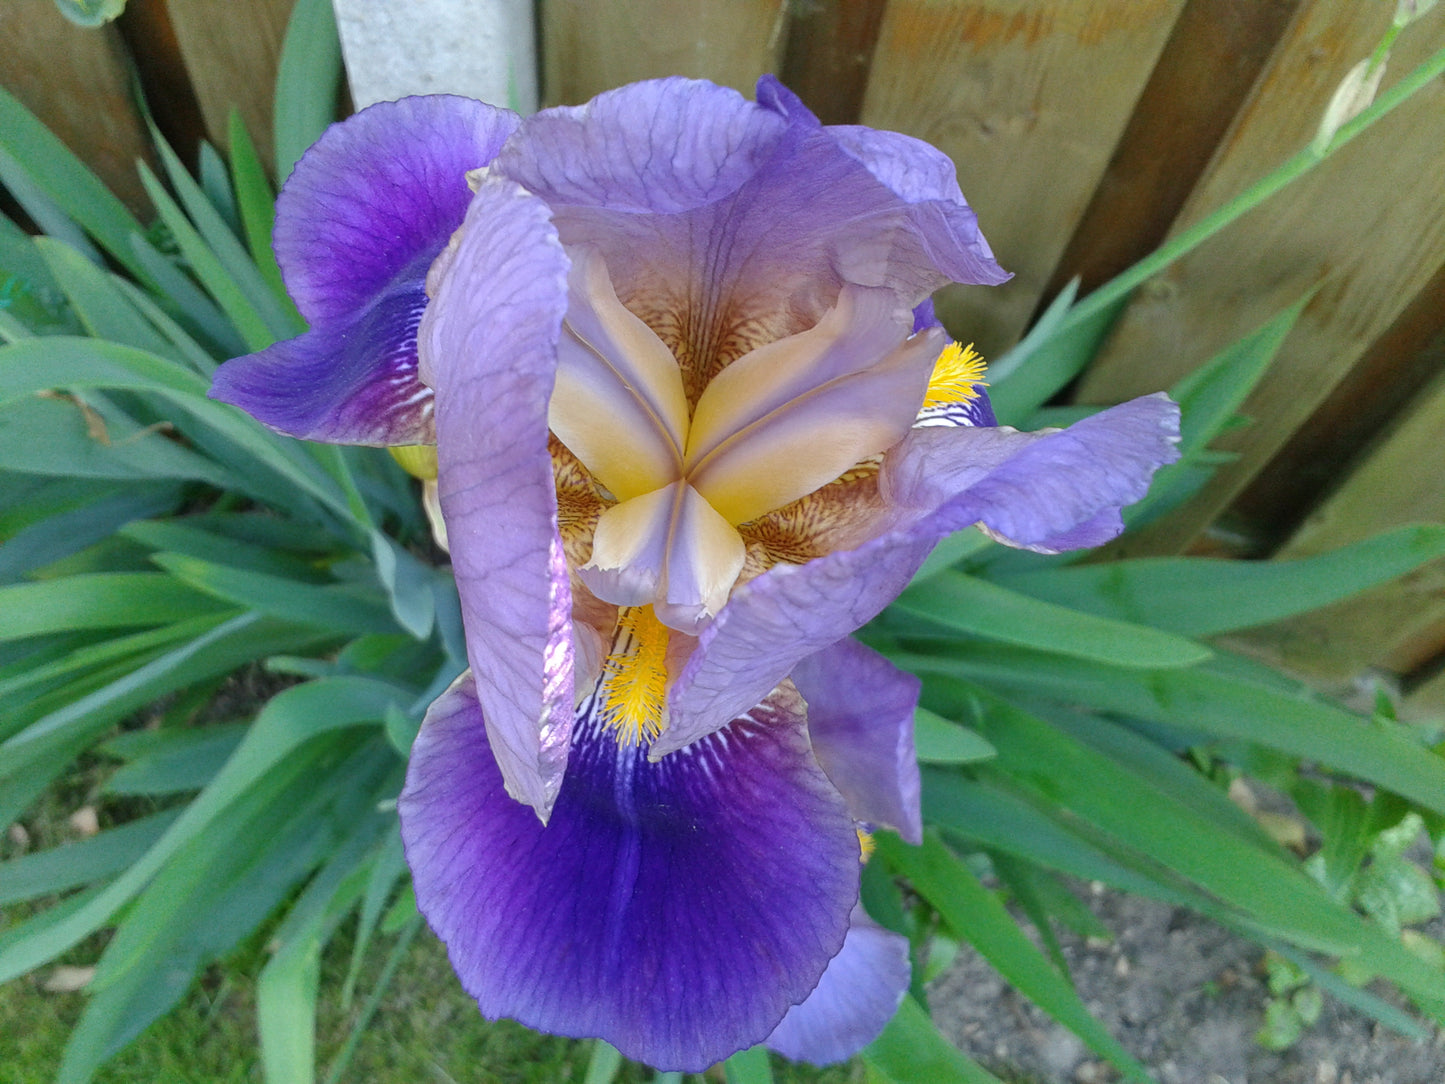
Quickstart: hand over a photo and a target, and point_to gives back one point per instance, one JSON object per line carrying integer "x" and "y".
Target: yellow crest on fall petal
{"x": 418, "y": 460}
{"x": 865, "y": 845}
{"x": 634, "y": 676}
{"x": 957, "y": 376}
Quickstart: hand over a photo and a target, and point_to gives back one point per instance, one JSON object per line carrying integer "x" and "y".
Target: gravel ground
{"x": 1182, "y": 995}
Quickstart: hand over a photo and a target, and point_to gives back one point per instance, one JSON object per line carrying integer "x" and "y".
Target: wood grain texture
{"x": 1398, "y": 626}
{"x": 1394, "y": 371}
{"x": 75, "y": 81}
{"x": 589, "y": 47}
{"x": 145, "y": 27}
{"x": 231, "y": 51}
{"x": 830, "y": 53}
{"x": 1209, "y": 64}
{"x": 1029, "y": 98}
{"x": 1367, "y": 227}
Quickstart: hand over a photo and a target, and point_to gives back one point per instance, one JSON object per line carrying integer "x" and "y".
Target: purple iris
{"x": 695, "y": 425}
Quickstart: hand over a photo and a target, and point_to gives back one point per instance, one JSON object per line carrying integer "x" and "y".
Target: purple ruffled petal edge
{"x": 920, "y": 175}
{"x": 1034, "y": 489}
{"x": 676, "y": 910}
{"x": 853, "y": 1002}
{"x": 358, "y": 223}
{"x": 378, "y": 195}
{"x": 489, "y": 349}
{"x": 860, "y": 720}
{"x": 350, "y": 382}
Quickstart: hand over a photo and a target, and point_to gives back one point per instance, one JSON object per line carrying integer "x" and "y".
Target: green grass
{"x": 426, "y": 1031}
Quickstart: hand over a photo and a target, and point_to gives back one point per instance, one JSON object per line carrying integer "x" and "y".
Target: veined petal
{"x": 793, "y": 415}
{"x": 1049, "y": 490}
{"x": 346, "y": 382}
{"x": 860, "y": 721}
{"x": 772, "y": 623}
{"x": 357, "y": 224}
{"x": 854, "y": 1000}
{"x": 1043, "y": 490}
{"x": 380, "y": 194}
{"x": 726, "y": 224}
{"x": 618, "y": 404}
{"x": 488, "y": 344}
{"x": 676, "y": 910}
{"x": 923, "y": 177}
{"x": 670, "y": 548}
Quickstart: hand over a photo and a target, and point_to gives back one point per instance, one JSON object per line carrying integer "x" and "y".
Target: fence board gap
{"x": 231, "y": 52}
{"x": 1211, "y": 60}
{"x": 1395, "y": 626}
{"x": 146, "y": 28}
{"x": 588, "y": 48}
{"x": 1369, "y": 224}
{"x": 1394, "y": 371}
{"x": 829, "y": 55}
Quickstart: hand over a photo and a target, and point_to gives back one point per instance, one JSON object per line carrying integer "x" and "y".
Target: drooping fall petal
{"x": 677, "y": 909}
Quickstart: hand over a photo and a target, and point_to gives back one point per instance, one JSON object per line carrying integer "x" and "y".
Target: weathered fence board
{"x": 1368, "y": 224}
{"x": 76, "y": 82}
{"x": 231, "y": 52}
{"x": 589, "y": 47}
{"x": 1393, "y": 373}
{"x": 830, "y": 53}
{"x": 1204, "y": 75}
{"x": 1029, "y": 99}
{"x": 1396, "y": 626}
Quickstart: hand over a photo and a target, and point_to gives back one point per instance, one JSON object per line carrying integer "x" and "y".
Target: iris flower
{"x": 694, "y": 424}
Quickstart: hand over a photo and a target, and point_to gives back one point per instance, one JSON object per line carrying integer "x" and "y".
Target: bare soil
{"x": 1185, "y": 997}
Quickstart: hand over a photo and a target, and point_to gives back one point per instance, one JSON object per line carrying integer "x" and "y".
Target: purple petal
{"x": 345, "y": 382}
{"x": 1041, "y": 490}
{"x": 854, "y": 1000}
{"x": 489, "y": 349}
{"x": 917, "y": 173}
{"x": 1048, "y": 490}
{"x": 860, "y": 720}
{"x": 774, "y": 622}
{"x": 377, "y": 197}
{"x": 726, "y": 224}
{"x": 676, "y": 910}
{"x": 358, "y": 223}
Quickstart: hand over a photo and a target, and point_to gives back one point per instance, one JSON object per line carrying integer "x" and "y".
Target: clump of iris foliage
{"x": 1075, "y": 722}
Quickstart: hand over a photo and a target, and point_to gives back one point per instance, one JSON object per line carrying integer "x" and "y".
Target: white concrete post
{"x": 483, "y": 49}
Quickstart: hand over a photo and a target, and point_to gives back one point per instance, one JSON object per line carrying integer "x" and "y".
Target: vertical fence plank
{"x": 76, "y": 81}
{"x": 1397, "y": 625}
{"x": 1029, "y": 98}
{"x": 1211, "y": 60}
{"x": 588, "y": 47}
{"x": 830, "y": 51}
{"x": 1369, "y": 224}
{"x": 231, "y": 51}
{"x": 1394, "y": 372}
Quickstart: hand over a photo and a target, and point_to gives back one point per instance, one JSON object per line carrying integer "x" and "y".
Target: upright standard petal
{"x": 920, "y": 175}
{"x": 856, "y": 997}
{"x": 725, "y": 224}
{"x": 860, "y": 721}
{"x": 676, "y": 910}
{"x": 361, "y": 218}
{"x": 489, "y": 349}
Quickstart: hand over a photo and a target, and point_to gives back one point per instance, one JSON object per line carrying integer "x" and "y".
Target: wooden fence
{"x": 1085, "y": 133}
